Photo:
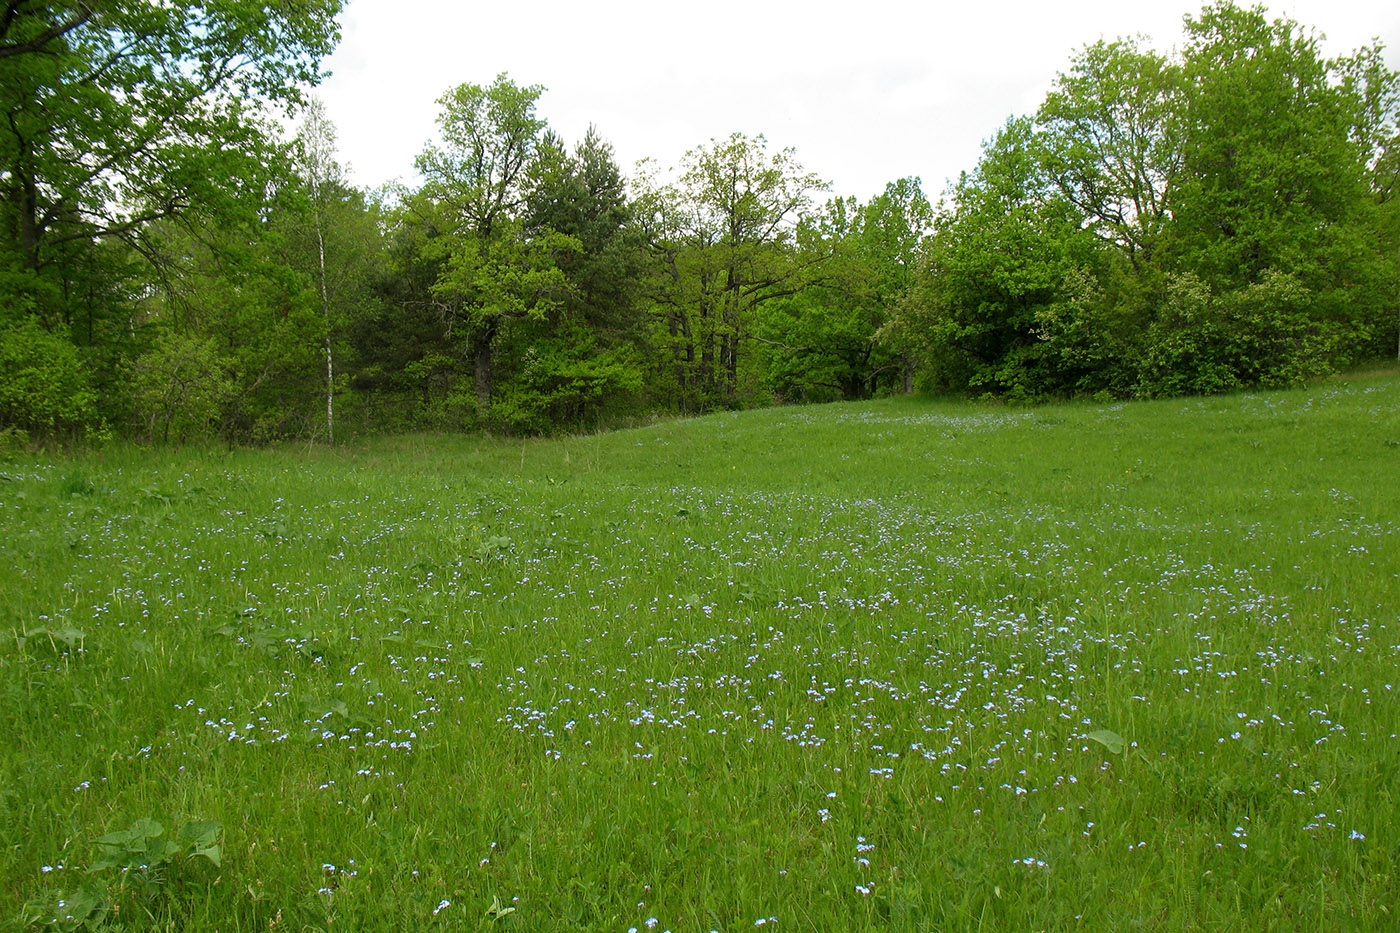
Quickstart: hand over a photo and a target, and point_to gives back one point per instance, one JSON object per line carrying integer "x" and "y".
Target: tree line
{"x": 174, "y": 267}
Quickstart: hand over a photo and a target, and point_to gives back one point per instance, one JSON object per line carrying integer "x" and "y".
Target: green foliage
{"x": 513, "y": 275}
{"x": 489, "y": 136}
{"x": 1110, "y": 140}
{"x": 147, "y": 865}
{"x": 507, "y": 275}
{"x": 723, "y": 241}
{"x": 566, "y": 381}
{"x": 1090, "y": 340}
{"x": 235, "y": 326}
{"x": 999, "y": 257}
{"x": 1108, "y": 739}
{"x": 44, "y": 385}
{"x": 121, "y": 113}
{"x": 824, "y": 342}
{"x": 125, "y": 118}
{"x": 1263, "y": 334}
{"x": 1169, "y": 224}
{"x": 489, "y": 268}
{"x": 76, "y": 483}
{"x": 1056, "y": 640}
{"x": 180, "y": 386}
{"x": 142, "y": 852}
{"x": 1275, "y": 157}
{"x": 1216, "y": 217}
{"x": 60, "y": 641}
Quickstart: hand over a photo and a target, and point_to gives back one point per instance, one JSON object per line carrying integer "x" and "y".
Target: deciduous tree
{"x": 492, "y": 270}
{"x": 723, "y": 237}
{"x": 122, "y": 114}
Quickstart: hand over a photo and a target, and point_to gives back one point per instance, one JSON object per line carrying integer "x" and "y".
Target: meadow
{"x": 901, "y": 665}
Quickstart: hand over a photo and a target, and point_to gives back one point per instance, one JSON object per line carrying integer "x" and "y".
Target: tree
{"x": 121, "y": 113}
{"x": 179, "y": 384}
{"x": 247, "y": 295}
{"x": 999, "y": 255}
{"x": 584, "y": 356}
{"x": 1197, "y": 222}
{"x": 319, "y": 172}
{"x": 1385, "y": 188}
{"x": 492, "y": 270}
{"x": 824, "y": 342}
{"x": 1111, "y": 139}
{"x": 331, "y": 234}
{"x": 407, "y": 360}
{"x": 722, "y": 241}
{"x": 1277, "y": 148}
{"x": 583, "y": 195}
{"x": 121, "y": 116}
{"x": 1277, "y": 163}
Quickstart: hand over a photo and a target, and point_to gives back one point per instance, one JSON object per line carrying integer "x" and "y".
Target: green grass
{"x": 824, "y": 668}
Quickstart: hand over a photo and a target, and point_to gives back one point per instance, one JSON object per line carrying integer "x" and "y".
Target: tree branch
{"x": 37, "y": 43}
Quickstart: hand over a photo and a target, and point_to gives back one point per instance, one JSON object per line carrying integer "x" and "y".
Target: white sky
{"x": 866, "y": 91}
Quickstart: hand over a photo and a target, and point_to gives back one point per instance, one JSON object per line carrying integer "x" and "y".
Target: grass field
{"x": 905, "y": 665}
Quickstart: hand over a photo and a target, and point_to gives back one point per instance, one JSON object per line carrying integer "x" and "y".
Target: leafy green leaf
{"x": 1108, "y": 739}
{"x": 200, "y": 833}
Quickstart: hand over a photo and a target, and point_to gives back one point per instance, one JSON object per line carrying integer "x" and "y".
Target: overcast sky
{"x": 865, "y": 91}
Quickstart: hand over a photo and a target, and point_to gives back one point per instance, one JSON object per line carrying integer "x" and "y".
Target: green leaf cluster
{"x": 45, "y": 388}
{"x": 134, "y": 872}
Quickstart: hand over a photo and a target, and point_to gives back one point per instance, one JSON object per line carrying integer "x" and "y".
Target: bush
{"x": 180, "y": 386}
{"x": 1089, "y": 340}
{"x": 1188, "y": 348}
{"x": 566, "y": 383}
{"x": 1266, "y": 333}
{"x": 1284, "y": 341}
{"x": 44, "y": 387}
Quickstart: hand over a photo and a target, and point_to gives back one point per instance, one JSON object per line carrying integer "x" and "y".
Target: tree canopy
{"x": 123, "y": 113}
{"x": 1192, "y": 222}
{"x": 175, "y": 263}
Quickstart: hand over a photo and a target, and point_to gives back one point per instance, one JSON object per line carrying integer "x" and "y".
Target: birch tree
{"x": 318, "y": 170}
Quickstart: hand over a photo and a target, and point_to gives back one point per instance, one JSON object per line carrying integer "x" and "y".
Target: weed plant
{"x": 904, "y": 665}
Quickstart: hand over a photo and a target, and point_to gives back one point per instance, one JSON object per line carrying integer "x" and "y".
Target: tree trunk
{"x": 481, "y": 363}
{"x": 29, "y": 222}
{"x": 326, "y": 318}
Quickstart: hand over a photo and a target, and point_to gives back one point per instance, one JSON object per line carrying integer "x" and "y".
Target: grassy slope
{"x": 834, "y": 666}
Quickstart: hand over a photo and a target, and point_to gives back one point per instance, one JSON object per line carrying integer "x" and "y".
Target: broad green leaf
{"x": 200, "y": 834}
{"x": 1108, "y": 739}
{"x": 211, "y": 853}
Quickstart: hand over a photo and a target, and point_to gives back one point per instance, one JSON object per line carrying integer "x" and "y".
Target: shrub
{"x": 179, "y": 387}
{"x": 44, "y": 387}
{"x": 1266, "y": 333}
